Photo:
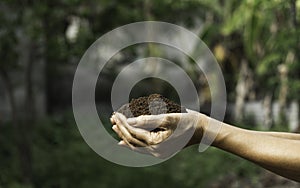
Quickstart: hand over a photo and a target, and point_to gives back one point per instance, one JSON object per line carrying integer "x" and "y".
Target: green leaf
{"x": 265, "y": 64}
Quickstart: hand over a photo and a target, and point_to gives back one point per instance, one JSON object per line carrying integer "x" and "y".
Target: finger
{"x": 136, "y": 132}
{"x": 140, "y": 134}
{"x": 158, "y": 122}
{"x": 160, "y": 136}
{"x": 113, "y": 118}
{"x": 112, "y": 121}
{"x": 122, "y": 143}
{"x": 119, "y": 133}
{"x": 121, "y": 123}
{"x": 154, "y": 137}
{"x": 151, "y": 138}
{"x": 191, "y": 111}
{"x": 147, "y": 121}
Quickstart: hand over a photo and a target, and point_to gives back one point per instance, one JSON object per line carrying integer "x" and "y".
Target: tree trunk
{"x": 283, "y": 71}
{"x": 294, "y": 13}
{"x": 10, "y": 93}
{"x": 29, "y": 88}
{"x": 295, "y": 24}
{"x": 283, "y": 91}
{"x": 267, "y": 106}
{"x": 245, "y": 82}
{"x": 19, "y": 135}
{"x": 29, "y": 112}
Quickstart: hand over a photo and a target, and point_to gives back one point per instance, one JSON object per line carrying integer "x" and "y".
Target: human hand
{"x": 159, "y": 135}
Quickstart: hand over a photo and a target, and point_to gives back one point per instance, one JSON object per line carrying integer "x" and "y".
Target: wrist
{"x": 226, "y": 135}
{"x": 200, "y": 127}
{"x": 212, "y": 129}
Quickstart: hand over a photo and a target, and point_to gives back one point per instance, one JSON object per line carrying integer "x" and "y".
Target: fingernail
{"x": 116, "y": 117}
{"x": 114, "y": 127}
{"x": 121, "y": 143}
{"x": 112, "y": 120}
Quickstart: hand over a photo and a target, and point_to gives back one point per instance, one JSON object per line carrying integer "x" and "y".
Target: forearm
{"x": 292, "y": 136}
{"x": 272, "y": 151}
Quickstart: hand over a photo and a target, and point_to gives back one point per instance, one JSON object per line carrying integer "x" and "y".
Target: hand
{"x": 159, "y": 135}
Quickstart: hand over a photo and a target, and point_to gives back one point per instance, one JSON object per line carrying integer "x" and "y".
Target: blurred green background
{"x": 256, "y": 43}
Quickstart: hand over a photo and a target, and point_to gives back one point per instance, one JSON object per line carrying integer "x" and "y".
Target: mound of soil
{"x": 153, "y": 104}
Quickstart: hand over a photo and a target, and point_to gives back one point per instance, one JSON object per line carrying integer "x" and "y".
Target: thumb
{"x": 149, "y": 122}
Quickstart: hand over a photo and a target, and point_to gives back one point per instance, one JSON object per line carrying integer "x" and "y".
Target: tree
{"x": 268, "y": 31}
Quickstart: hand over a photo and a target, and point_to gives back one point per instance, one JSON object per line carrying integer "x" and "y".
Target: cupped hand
{"x": 159, "y": 135}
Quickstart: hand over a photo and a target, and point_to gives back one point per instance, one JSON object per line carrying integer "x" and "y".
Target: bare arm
{"x": 275, "y": 151}
{"x": 291, "y": 136}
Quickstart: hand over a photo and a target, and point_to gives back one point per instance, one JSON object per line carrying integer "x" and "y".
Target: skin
{"x": 278, "y": 152}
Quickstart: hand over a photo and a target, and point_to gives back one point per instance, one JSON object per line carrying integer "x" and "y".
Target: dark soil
{"x": 153, "y": 104}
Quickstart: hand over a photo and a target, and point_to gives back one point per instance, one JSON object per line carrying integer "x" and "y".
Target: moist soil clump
{"x": 153, "y": 104}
